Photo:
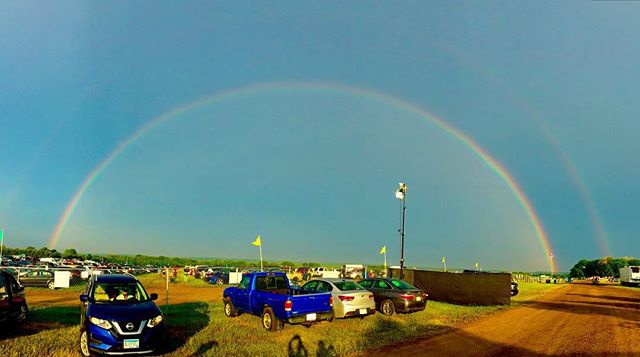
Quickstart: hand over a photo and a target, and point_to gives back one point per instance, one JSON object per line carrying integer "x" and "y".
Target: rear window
{"x": 348, "y": 285}
{"x": 402, "y": 285}
{"x": 268, "y": 283}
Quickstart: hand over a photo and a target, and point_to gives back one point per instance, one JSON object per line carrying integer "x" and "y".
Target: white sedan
{"x": 349, "y": 298}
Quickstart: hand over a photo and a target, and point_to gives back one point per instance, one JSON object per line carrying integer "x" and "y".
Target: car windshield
{"x": 402, "y": 285}
{"x": 347, "y": 285}
{"x": 131, "y": 292}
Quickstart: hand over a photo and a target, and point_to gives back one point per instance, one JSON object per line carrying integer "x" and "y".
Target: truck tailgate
{"x": 310, "y": 303}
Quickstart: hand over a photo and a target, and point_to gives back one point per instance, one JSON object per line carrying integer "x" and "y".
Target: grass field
{"x": 200, "y": 328}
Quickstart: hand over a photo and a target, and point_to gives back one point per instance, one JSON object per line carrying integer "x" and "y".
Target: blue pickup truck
{"x": 269, "y": 295}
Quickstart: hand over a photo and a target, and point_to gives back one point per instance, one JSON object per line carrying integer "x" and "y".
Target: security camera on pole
{"x": 401, "y": 194}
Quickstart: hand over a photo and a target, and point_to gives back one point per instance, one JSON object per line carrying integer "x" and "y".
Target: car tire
{"x": 22, "y": 313}
{"x": 51, "y": 285}
{"x": 229, "y": 309}
{"x": 84, "y": 344}
{"x": 269, "y": 320}
{"x": 387, "y": 308}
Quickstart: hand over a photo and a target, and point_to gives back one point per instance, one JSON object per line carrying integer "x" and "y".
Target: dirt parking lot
{"x": 578, "y": 319}
{"x": 178, "y": 294}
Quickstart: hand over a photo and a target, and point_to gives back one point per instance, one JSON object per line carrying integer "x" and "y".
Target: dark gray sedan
{"x": 38, "y": 278}
{"x": 395, "y": 295}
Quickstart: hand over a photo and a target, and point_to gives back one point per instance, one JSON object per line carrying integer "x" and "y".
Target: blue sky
{"x": 313, "y": 171}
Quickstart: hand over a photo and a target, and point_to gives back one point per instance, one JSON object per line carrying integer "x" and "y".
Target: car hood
{"x": 124, "y": 311}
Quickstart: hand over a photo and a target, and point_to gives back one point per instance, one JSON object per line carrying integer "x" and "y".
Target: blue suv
{"x": 118, "y": 317}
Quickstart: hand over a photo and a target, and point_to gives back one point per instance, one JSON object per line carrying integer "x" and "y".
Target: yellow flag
{"x": 476, "y": 265}
{"x": 443, "y": 260}
{"x": 257, "y": 242}
{"x": 383, "y": 250}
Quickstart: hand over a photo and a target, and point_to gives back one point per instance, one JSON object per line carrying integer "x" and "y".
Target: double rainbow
{"x": 491, "y": 162}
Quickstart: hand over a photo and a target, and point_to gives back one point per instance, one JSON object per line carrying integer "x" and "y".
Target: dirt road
{"x": 574, "y": 320}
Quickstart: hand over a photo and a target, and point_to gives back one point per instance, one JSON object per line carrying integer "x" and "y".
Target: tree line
{"x": 142, "y": 260}
{"x": 607, "y": 266}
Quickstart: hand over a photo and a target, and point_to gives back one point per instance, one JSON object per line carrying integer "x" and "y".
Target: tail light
{"x": 330, "y": 300}
{"x": 407, "y": 297}
{"x": 345, "y": 298}
{"x": 288, "y": 305}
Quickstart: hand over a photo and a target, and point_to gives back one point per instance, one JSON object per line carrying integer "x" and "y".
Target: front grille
{"x": 126, "y": 328}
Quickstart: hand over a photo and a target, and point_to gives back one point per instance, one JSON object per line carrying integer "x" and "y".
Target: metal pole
{"x": 404, "y": 208}
{"x": 261, "y": 268}
{"x": 166, "y": 304}
{"x": 385, "y": 260}
{"x": 1, "y": 243}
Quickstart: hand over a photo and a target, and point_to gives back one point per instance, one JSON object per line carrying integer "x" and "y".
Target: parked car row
{"x": 270, "y": 296}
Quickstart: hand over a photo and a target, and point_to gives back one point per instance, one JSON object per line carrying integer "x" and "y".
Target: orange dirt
{"x": 178, "y": 293}
{"x": 575, "y": 320}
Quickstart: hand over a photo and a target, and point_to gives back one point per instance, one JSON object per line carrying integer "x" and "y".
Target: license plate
{"x": 418, "y": 298}
{"x": 363, "y": 311}
{"x": 311, "y": 317}
{"x": 132, "y": 343}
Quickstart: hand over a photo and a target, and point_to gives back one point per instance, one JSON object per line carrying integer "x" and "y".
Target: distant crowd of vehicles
{"x": 222, "y": 275}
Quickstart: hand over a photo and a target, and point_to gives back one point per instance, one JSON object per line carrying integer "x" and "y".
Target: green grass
{"x": 64, "y": 315}
{"x": 201, "y": 329}
{"x": 530, "y": 291}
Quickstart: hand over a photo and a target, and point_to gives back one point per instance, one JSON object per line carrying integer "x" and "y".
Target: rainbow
{"x": 491, "y": 162}
{"x": 569, "y": 166}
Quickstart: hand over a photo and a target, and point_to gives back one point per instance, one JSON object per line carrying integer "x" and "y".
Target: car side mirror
{"x": 153, "y": 296}
{"x": 84, "y": 298}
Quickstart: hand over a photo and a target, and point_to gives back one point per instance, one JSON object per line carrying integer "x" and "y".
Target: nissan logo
{"x": 129, "y": 326}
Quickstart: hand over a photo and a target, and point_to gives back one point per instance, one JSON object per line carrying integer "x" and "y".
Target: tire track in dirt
{"x": 578, "y": 319}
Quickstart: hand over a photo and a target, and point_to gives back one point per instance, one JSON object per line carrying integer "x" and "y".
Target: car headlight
{"x": 101, "y": 323}
{"x": 155, "y": 321}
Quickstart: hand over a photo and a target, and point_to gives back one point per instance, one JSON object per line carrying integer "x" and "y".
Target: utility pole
{"x": 401, "y": 194}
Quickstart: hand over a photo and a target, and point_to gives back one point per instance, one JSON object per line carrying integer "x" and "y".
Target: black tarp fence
{"x": 469, "y": 288}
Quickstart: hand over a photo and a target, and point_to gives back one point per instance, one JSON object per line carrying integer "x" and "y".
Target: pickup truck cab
{"x": 269, "y": 295}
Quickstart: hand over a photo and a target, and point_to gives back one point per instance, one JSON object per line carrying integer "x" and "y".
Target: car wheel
{"x": 84, "y": 344}
{"x": 229, "y": 309}
{"x": 269, "y": 320}
{"x": 387, "y": 308}
{"x": 22, "y": 313}
{"x": 219, "y": 281}
{"x": 51, "y": 285}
